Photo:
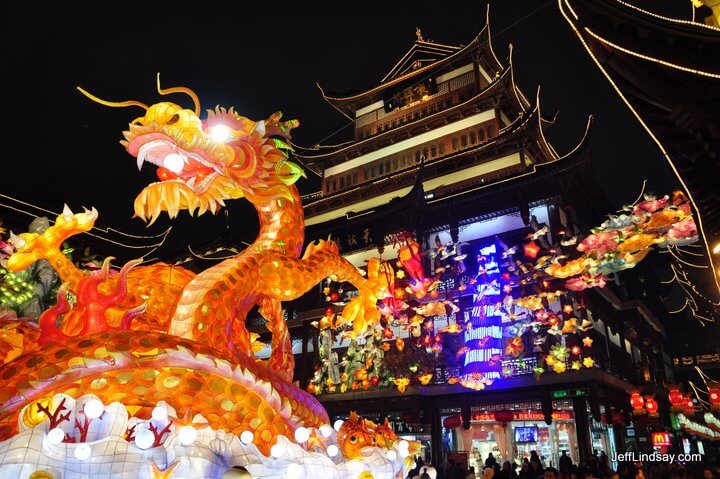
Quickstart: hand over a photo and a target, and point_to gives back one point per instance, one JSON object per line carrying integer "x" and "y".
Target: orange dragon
{"x": 191, "y": 348}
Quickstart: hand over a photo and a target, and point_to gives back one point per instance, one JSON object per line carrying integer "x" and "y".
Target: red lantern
{"x": 504, "y": 417}
{"x": 675, "y": 397}
{"x": 637, "y": 402}
{"x": 689, "y": 406}
{"x": 334, "y": 297}
{"x": 531, "y": 249}
{"x": 452, "y": 422}
{"x": 652, "y": 407}
{"x": 714, "y": 395}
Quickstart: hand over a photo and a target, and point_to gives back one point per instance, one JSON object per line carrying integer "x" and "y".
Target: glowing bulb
{"x": 326, "y": 430}
{"x": 93, "y": 409}
{"x": 295, "y": 471}
{"x": 278, "y": 450}
{"x": 144, "y": 439}
{"x": 302, "y": 434}
{"x": 391, "y": 455}
{"x": 332, "y": 450}
{"x": 187, "y": 435}
{"x": 220, "y": 133}
{"x": 82, "y": 451}
{"x": 174, "y": 162}
{"x": 55, "y": 435}
{"x": 159, "y": 413}
{"x": 716, "y": 249}
{"x": 404, "y": 445}
{"x": 338, "y": 424}
{"x": 246, "y": 437}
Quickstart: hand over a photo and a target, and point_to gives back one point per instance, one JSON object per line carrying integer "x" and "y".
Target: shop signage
{"x": 524, "y": 416}
{"x": 660, "y": 438}
{"x": 571, "y": 393}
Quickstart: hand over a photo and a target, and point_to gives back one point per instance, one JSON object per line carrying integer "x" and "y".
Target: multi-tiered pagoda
{"x": 447, "y": 147}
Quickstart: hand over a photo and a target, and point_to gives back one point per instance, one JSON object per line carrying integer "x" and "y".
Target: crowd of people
{"x": 597, "y": 467}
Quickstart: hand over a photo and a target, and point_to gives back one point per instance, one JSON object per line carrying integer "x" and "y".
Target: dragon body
{"x": 190, "y": 347}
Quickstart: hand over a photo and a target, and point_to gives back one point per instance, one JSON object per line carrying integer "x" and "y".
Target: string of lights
{"x": 565, "y": 5}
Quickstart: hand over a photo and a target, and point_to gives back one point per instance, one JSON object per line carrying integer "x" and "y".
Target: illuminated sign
{"x": 660, "y": 438}
{"x": 524, "y": 416}
{"x": 571, "y": 393}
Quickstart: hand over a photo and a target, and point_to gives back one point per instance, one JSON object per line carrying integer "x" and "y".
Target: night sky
{"x": 64, "y": 148}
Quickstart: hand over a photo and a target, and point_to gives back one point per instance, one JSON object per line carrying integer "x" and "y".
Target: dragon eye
{"x": 173, "y": 119}
{"x": 353, "y": 439}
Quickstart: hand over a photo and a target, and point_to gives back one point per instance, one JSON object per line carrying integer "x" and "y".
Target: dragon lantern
{"x": 155, "y": 343}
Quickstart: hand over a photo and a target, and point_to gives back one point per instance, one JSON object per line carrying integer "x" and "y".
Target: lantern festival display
{"x": 150, "y": 371}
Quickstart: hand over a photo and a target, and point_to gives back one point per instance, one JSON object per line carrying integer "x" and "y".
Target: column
{"x": 582, "y": 428}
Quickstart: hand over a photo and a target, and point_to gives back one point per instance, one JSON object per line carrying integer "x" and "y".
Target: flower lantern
{"x": 504, "y": 417}
{"x": 452, "y": 422}
{"x": 637, "y": 402}
{"x": 531, "y": 249}
{"x": 652, "y": 407}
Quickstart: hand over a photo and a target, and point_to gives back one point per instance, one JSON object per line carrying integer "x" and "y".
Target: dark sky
{"x": 64, "y": 148}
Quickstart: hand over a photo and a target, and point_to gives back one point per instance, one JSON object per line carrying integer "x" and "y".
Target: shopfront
{"x": 513, "y": 431}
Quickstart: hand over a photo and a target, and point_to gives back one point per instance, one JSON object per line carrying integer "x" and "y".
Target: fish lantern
{"x": 452, "y": 422}
{"x": 714, "y": 396}
{"x": 652, "y": 407}
{"x": 637, "y": 402}
{"x": 504, "y": 417}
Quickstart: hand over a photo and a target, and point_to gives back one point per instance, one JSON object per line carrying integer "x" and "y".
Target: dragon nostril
{"x": 173, "y": 119}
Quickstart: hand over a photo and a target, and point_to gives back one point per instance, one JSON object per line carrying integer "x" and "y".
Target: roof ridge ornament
{"x": 419, "y": 35}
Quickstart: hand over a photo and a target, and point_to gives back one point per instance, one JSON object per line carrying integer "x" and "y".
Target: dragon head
{"x": 30, "y": 247}
{"x": 203, "y": 162}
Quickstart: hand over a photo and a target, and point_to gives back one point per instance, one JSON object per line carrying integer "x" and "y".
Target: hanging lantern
{"x": 504, "y": 417}
{"x": 689, "y": 407}
{"x": 714, "y": 396}
{"x": 652, "y": 407}
{"x": 637, "y": 402}
{"x": 452, "y": 422}
{"x": 676, "y": 400}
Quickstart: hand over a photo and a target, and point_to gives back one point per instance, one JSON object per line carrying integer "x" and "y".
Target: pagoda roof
{"x": 421, "y": 53}
{"x": 667, "y": 72}
{"x": 430, "y": 55}
{"x": 530, "y": 124}
{"x": 484, "y": 199}
{"x": 504, "y": 83}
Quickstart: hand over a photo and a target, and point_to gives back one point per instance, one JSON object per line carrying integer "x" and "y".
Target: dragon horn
{"x": 180, "y": 89}
{"x": 112, "y": 103}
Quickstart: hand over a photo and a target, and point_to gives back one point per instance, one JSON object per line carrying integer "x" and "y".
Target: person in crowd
{"x": 525, "y": 470}
{"x": 488, "y": 473}
{"x": 534, "y": 457}
{"x": 604, "y": 460}
{"x": 470, "y": 473}
{"x": 506, "y": 472}
{"x": 490, "y": 461}
{"x": 565, "y": 463}
{"x": 424, "y": 475}
{"x": 550, "y": 473}
{"x": 708, "y": 473}
{"x": 536, "y": 469}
